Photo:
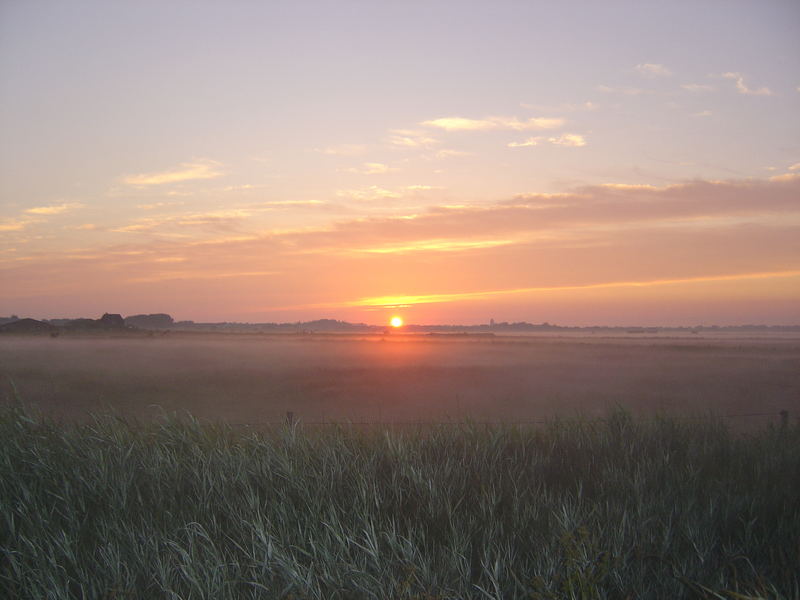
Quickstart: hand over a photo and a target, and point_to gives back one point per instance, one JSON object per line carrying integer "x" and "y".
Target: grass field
{"x": 620, "y": 508}
{"x": 660, "y": 500}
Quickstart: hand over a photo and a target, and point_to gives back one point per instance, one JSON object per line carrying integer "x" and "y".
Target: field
{"x": 257, "y": 379}
{"x": 629, "y": 489}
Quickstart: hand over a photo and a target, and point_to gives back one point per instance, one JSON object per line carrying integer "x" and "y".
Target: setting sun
{"x": 396, "y": 322}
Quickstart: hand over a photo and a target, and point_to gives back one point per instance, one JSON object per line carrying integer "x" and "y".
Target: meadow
{"x": 252, "y": 379}
{"x": 616, "y": 481}
{"x": 620, "y": 508}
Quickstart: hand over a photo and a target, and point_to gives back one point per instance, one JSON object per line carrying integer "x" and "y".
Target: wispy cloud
{"x": 14, "y": 224}
{"x": 568, "y": 139}
{"x": 154, "y": 205}
{"x": 629, "y": 186}
{"x": 391, "y": 301}
{"x": 288, "y": 204}
{"x": 192, "y": 275}
{"x": 533, "y": 141}
{"x": 450, "y": 153}
{"x": 697, "y": 87}
{"x": 561, "y": 108}
{"x": 370, "y": 193}
{"x": 54, "y": 209}
{"x": 703, "y": 113}
{"x": 788, "y": 177}
{"x": 434, "y": 245}
{"x": 795, "y": 167}
{"x": 626, "y": 91}
{"x": 423, "y": 188}
{"x": 205, "y": 169}
{"x": 344, "y": 150}
{"x": 617, "y": 235}
{"x": 372, "y": 168}
{"x": 742, "y": 87}
{"x": 36, "y": 215}
{"x": 222, "y": 219}
{"x": 245, "y": 187}
{"x": 490, "y": 123}
{"x": 411, "y": 138}
{"x": 653, "y": 70}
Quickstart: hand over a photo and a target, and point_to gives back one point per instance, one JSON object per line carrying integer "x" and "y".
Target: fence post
{"x": 784, "y": 419}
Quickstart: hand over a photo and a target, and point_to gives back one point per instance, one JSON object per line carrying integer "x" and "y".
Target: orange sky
{"x": 696, "y": 252}
{"x": 561, "y": 162}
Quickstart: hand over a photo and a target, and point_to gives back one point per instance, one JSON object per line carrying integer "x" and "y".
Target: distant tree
{"x": 112, "y": 321}
{"x": 153, "y": 321}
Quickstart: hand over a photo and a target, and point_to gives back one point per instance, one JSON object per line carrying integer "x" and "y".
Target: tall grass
{"x": 623, "y": 508}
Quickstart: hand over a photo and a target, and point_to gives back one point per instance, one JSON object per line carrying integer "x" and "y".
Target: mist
{"x": 258, "y": 379}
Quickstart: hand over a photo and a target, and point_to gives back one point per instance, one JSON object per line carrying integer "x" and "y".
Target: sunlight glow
{"x": 396, "y": 322}
{"x": 388, "y": 301}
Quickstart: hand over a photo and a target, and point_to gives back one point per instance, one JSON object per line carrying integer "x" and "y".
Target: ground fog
{"x": 257, "y": 379}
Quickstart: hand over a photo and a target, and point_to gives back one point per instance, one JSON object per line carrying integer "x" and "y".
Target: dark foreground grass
{"x": 623, "y": 508}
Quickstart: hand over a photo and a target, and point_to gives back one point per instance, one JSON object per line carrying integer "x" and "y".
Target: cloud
{"x": 287, "y": 204}
{"x": 493, "y": 123}
{"x": 786, "y": 177}
{"x": 598, "y": 211}
{"x": 56, "y": 209}
{"x": 448, "y": 153}
{"x": 223, "y": 219}
{"x": 372, "y": 168}
{"x": 433, "y": 245}
{"x": 626, "y": 91}
{"x": 373, "y": 192}
{"x": 533, "y": 141}
{"x": 205, "y": 169}
{"x": 156, "y": 277}
{"x": 629, "y": 186}
{"x": 697, "y": 87}
{"x": 703, "y": 113}
{"x": 155, "y": 205}
{"x": 241, "y": 188}
{"x": 742, "y": 88}
{"x": 620, "y": 236}
{"x": 35, "y": 214}
{"x": 410, "y": 138}
{"x": 393, "y": 301}
{"x": 568, "y": 139}
{"x": 579, "y": 236}
{"x": 423, "y": 188}
{"x": 560, "y": 108}
{"x": 14, "y": 224}
{"x": 653, "y": 70}
{"x": 344, "y": 150}
{"x": 795, "y": 167}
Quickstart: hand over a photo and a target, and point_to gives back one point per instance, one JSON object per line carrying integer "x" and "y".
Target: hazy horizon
{"x": 574, "y": 163}
{"x": 409, "y": 324}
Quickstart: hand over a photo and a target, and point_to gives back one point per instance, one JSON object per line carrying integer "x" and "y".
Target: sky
{"x": 572, "y": 162}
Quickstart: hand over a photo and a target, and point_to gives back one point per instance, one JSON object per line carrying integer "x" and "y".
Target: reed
{"x": 620, "y": 508}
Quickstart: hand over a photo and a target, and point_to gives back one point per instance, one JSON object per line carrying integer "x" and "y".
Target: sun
{"x": 396, "y": 322}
